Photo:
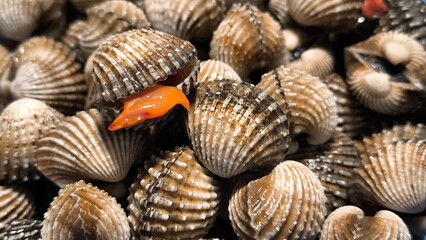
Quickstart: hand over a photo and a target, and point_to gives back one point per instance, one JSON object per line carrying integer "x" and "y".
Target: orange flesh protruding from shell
{"x": 373, "y": 7}
{"x": 151, "y": 103}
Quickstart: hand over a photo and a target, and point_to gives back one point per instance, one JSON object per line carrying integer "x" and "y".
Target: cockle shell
{"x": 288, "y": 203}
{"x": 82, "y": 5}
{"x": 317, "y": 60}
{"x": 28, "y": 229}
{"x": 349, "y": 222}
{"x": 82, "y": 148}
{"x": 5, "y": 71}
{"x": 173, "y": 197}
{"x": 248, "y": 39}
{"x": 309, "y": 104}
{"x": 212, "y": 70}
{"x": 235, "y": 127}
{"x": 337, "y": 14}
{"x": 386, "y": 72}
{"x": 22, "y": 124}
{"x": 186, "y": 19}
{"x": 295, "y": 38}
{"x": 16, "y": 202}
{"x": 47, "y": 70}
{"x": 231, "y": 3}
{"x": 279, "y": 9}
{"x": 81, "y": 211}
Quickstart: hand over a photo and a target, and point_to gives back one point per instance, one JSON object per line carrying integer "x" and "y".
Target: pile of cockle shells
{"x": 306, "y": 120}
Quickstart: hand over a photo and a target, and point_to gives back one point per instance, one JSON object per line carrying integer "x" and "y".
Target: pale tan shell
{"x": 47, "y": 70}
{"x": 16, "y": 202}
{"x": 377, "y": 86}
{"x": 294, "y": 38}
{"x": 231, "y": 3}
{"x": 81, "y": 211}
{"x": 104, "y": 20}
{"x": 309, "y": 104}
{"x": 173, "y": 197}
{"x": 349, "y": 222}
{"x": 22, "y": 229}
{"x": 248, "y": 39}
{"x": 279, "y": 8}
{"x": 5, "y": 71}
{"x": 317, "y": 61}
{"x": 186, "y": 19}
{"x": 338, "y": 14}
{"x": 82, "y": 148}
{"x": 288, "y": 203}
{"x": 22, "y": 124}
{"x": 82, "y": 5}
{"x": 212, "y": 70}
{"x": 235, "y": 127}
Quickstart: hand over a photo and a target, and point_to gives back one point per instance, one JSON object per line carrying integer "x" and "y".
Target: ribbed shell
{"x": 235, "y": 127}
{"x": 317, "y": 61}
{"x": 279, "y": 9}
{"x": 81, "y": 211}
{"x": 82, "y": 5}
{"x": 104, "y": 20}
{"x": 375, "y": 75}
{"x": 186, "y": 19}
{"x": 16, "y": 202}
{"x": 5, "y": 70}
{"x": 82, "y": 148}
{"x": 47, "y": 70}
{"x": 333, "y": 162}
{"x": 22, "y": 124}
{"x": 212, "y": 70}
{"x": 349, "y": 222}
{"x": 337, "y": 14}
{"x": 173, "y": 197}
{"x": 248, "y": 39}
{"x": 28, "y": 229}
{"x": 288, "y": 203}
{"x": 308, "y": 102}
{"x": 231, "y": 3}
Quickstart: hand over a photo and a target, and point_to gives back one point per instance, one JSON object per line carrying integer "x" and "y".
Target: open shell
{"x": 22, "y": 229}
{"x": 235, "y": 127}
{"x": 16, "y": 202}
{"x": 288, "y": 203}
{"x": 212, "y": 70}
{"x": 81, "y": 211}
{"x": 173, "y": 197}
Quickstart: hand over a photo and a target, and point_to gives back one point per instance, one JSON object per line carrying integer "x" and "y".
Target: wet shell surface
{"x": 84, "y": 212}
{"x": 22, "y": 124}
{"x": 212, "y": 70}
{"x": 47, "y": 70}
{"x": 16, "y": 202}
{"x": 386, "y": 72}
{"x": 82, "y": 148}
{"x": 22, "y": 229}
{"x": 288, "y": 203}
{"x": 349, "y": 222}
{"x": 235, "y": 127}
{"x": 248, "y": 39}
{"x": 173, "y": 197}
{"x": 317, "y": 61}
{"x": 186, "y": 19}
{"x": 309, "y": 104}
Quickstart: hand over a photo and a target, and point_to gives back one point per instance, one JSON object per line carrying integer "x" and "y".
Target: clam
{"x": 82, "y": 5}
{"x": 212, "y": 70}
{"x": 294, "y": 38}
{"x": 308, "y": 102}
{"x": 386, "y": 72}
{"x": 231, "y": 3}
{"x": 235, "y": 127}
{"x": 22, "y": 229}
{"x": 22, "y": 124}
{"x": 248, "y": 39}
{"x": 5, "y": 71}
{"x": 350, "y": 222}
{"x": 279, "y": 9}
{"x": 173, "y": 197}
{"x": 287, "y": 203}
{"x": 16, "y": 201}
{"x": 81, "y": 211}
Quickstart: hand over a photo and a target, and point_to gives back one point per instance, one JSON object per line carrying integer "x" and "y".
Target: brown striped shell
{"x": 5, "y": 71}
{"x": 235, "y": 127}
{"x": 349, "y": 222}
{"x": 82, "y": 148}
{"x": 82, "y": 5}
{"x": 47, "y": 70}
{"x": 231, "y": 3}
{"x": 28, "y": 229}
{"x": 186, "y": 19}
{"x": 317, "y": 61}
{"x": 248, "y": 39}
{"x": 386, "y": 72}
{"x": 279, "y": 9}
{"x": 22, "y": 124}
{"x": 288, "y": 203}
{"x": 81, "y": 211}
{"x": 212, "y": 70}
{"x": 173, "y": 197}
{"x": 16, "y": 202}
{"x": 308, "y": 102}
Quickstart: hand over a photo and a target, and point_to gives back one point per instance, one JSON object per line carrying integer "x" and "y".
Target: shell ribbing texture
{"x": 279, "y": 9}
{"x": 288, "y": 203}
{"x": 28, "y": 229}
{"x": 212, "y": 70}
{"x": 317, "y": 61}
{"x": 16, "y": 202}
{"x": 82, "y": 5}
{"x": 5, "y": 70}
{"x": 173, "y": 197}
{"x": 84, "y": 212}
{"x": 235, "y": 127}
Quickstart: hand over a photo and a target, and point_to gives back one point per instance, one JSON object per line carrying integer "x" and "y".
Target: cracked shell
{"x": 212, "y": 70}
{"x": 16, "y": 202}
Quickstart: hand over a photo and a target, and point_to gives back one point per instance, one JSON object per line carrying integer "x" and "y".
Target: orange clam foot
{"x": 151, "y": 103}
{"x": 374, "y": 7}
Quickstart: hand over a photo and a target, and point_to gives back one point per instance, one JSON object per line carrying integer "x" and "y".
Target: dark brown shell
{"x": 28, "y": 229}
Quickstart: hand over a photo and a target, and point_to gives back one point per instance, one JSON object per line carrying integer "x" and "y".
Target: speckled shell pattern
{"x": 16, "y": 202}
{"x": 22, "y": 124}
{"x": 288, "y": 203}
{"x": 350, "y": 222}
{"x": 84, "y": 212}
{"x": 82, "y": 148}
{"x": 309, "y": 104}
{"x": 173, "y": 197}
{"x": 212, "y": 70}
{"x": 22, "y": 229}
{"x": 235, "y": 127}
